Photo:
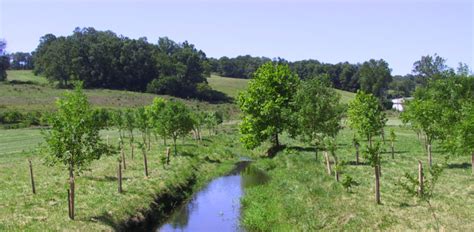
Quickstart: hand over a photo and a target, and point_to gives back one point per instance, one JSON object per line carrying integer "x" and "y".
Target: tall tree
{"x": 374, "y": 76}
{"x": 429, "y": 67}
{"x": 4, "y": 64}
{"x": 266, "y": 104}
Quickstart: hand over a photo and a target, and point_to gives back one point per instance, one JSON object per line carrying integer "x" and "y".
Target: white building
{"x": 399, "y": 102}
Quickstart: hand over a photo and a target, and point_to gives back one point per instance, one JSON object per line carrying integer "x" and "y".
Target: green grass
{"x": 99, "y": 206}
{"x": 301, "y": 196}
{"x": 25, "y": 76}
{"x": 227, "y": 85}
{"x": 232, "y": 86}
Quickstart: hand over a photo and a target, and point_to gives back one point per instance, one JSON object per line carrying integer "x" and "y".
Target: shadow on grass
{"x": 17, "y": 82}
{"x": 105, "y": 178}
{"x": 273, "y": 151}
{"x": 396, "y": 152}
{"x": 361, "y": 163}
{"x": 459, "y": 166}
{"x": 297, "y": 148}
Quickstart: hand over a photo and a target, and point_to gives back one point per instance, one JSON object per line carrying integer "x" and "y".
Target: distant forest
{"x": 102, "y": 59}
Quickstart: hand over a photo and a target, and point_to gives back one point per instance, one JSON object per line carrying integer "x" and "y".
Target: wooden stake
{"x": 32, "y": 177}
{"x": 420, "y": 178}
{"x": 357, "y": 154}
{"x": 120, "y": 177}
{"x": 377, "y": 185}
{"x": 69, "y": 203}
{"x": 71, "y": 193}
{"x": 328, "y": 163}
{"x": 145, "y": 161}
{"x": 168, "y": 155}
{"x": 393, "y": 151}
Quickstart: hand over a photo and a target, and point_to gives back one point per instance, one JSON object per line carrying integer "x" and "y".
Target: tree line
{"x": 101, "y": 59}
{"x": 372, "y": 76}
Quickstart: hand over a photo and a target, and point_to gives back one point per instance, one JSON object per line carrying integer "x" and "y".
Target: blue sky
{"x": 331, "y": 31}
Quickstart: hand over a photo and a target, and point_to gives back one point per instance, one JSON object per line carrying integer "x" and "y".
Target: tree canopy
{"x": 266, "y": 104}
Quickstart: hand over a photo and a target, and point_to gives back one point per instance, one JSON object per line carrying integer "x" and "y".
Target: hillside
{"x": 232, "y": 86}
{"x": 27, "y": 92}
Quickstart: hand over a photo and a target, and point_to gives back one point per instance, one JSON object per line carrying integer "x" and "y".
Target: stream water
{"x": 217, "y": 206}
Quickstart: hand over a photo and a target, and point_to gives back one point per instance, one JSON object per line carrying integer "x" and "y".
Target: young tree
{"x": 460, "y": 140}
{"x": 212, "y": 120}
{"x": 119, "y": 122}
{"x": 319, "y": 112}
{"x": 365, "y": 115}
{"x": 393, "y": 137}
{"x": 372, "y": 154}
{"x": 73, "y": 139}
{"x": 129, "y": 117}
{"x": 143, "y": 123}
{"x": 266, "y": 104}
{"x": 368, "y": 119}
{"x": 176, "y": 121}
{"x": 155, "y": 111}
{"x": 199, "y": 119}
{"x": 423, "y": 114}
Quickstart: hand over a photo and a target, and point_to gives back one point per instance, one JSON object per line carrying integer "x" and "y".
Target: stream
{"x": 217, "y": 206}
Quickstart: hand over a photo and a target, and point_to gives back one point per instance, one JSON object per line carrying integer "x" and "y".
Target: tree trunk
{"x": 123, "y": 157}
{"x": 277, "y": 142}
{"x": 72, "y": 192}
{"x": 420, "y": 179}
{"x": 377, "y": 184}
{"x": 430, "y": 157}
{"x": 357, "y": 154}
{"x": 131, "y": 145}
{"x": 145, "y": 161}
{"x": 370, "y": 141}
{"x": 328, "y": 163}
{"x": 393, "y": 151}
{"x": 168, "y": 155}
{"x": 149, "y": 141}
{"x": 175, "y": 148}
{"x": 119, "y": 177}
{"x": 32, "y": 177}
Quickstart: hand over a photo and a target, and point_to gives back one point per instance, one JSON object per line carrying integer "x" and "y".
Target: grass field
{"x": 301, "y": 196}
{"x": 99, "y": 206}
{"x": 305, "y": 198}
{"x": 28, "y": 92}
{"x": 232, "y": 86}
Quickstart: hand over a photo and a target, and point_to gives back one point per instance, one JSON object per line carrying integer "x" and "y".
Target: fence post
{"x": 420, "y": 178}
{"x": 120, "y": 177}
{"x": 32, "y": 177}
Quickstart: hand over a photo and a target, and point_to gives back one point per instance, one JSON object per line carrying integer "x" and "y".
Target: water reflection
{"x": 217, "y": 206}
